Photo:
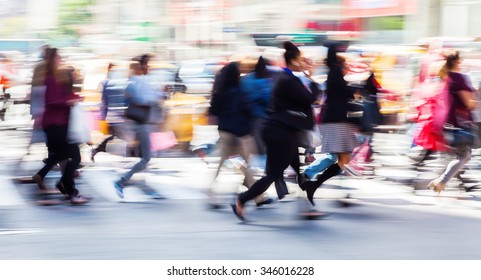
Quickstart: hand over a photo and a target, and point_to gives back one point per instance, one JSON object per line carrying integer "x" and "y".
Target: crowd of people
{"x": 264, "y": 117}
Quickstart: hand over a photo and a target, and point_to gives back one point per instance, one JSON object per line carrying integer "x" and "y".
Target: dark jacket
{"x": 338, "y": 94}
{"x": 231, "y": 109}
{"x": 291, "y": 102}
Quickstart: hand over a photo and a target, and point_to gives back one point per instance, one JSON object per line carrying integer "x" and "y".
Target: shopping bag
{"x": 310, "y": 138}
{"x": 104, "y": 127}
{"x": 37, "y": 101}
{"x": 162, "y": 140}
{"x": 94, "y": 117}
{"x": 78, "y": 126}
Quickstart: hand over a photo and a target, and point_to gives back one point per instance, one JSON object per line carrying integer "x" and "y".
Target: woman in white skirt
{"x": 337, "y": 129}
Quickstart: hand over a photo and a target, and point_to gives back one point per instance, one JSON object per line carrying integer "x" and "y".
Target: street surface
{"x": 383, "y": 218}
{"x": 387, "y": 214}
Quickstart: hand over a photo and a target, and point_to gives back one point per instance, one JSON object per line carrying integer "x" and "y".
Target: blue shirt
{"x": 140, "y": 92}
{"x": 258, "y": 92}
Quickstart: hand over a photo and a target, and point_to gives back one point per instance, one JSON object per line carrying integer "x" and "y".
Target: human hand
{"x": 74, "y": 101}
{"x": 308, "y": 67}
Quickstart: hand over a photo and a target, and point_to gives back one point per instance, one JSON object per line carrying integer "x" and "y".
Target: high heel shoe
{"x": 310, "y": 188}
{"x": 301, "y": 179}
{"x": 436, "y": 186}
{"x": 238, "y": 210}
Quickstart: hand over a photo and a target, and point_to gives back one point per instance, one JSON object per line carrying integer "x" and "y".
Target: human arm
{"x": 465, "y": 91}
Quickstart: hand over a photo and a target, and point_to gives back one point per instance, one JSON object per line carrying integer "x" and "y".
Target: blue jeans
{"x": 319, "y": 165}
{"x": 142, "y": 134}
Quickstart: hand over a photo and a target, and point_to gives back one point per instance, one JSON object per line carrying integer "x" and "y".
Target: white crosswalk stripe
{"x": 9, "y": 195}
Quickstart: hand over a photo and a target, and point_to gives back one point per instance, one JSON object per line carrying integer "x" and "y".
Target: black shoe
{"x": 310, "y": 188}
{"x": 301, "y": 179}
{"x": 265, "y": 202}
{"x": 61, "y": 188}
{"x": 238, "y": 210}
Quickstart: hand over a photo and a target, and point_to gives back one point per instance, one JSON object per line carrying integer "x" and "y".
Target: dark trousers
{"x": 59, "y": 150}
{"x": 258, "y": 127}
{"x": 282, "y": 150}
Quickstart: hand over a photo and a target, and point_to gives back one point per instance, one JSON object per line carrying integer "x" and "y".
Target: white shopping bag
{"x": 78, "y": 126}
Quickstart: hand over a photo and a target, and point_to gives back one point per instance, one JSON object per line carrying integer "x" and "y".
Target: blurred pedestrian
{"x": 59, "y": 98}
{"x": 307, "y": 138}
{"x": 140, "y": 92}
{"x": 362, "y": 155}
{"x": 104, "y": 109}
{"x": 459, "y": 122}
{"x": 229, "y": 104}
{"x": 257, "y": 86}
{"x": 338, "y": 129}
{"x": 37, "y": 107}
{"x": 290, "y": 113}
{"x": 428, "y": 103}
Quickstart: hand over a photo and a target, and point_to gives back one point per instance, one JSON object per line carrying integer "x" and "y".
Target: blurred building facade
{"x": 221, "y": 24}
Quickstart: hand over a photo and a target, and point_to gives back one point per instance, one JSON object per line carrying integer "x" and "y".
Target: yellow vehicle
{"x": 183, "y": 112}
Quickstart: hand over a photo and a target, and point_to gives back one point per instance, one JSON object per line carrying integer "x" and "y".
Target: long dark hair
{"x": 451, "y": 59}
{"x": 333, "y": 59}
{"x": 229, "y": 77}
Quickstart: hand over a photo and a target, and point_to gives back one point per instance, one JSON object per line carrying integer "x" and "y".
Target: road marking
{"x": 17, "y": 231}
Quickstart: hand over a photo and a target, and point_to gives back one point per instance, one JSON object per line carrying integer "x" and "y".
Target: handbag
{"x": 310, "y": 137}
{"x": 138, "y": 113}
{"x": 457, "y": 137}
{"x": 355, "y": 109}
{"x": 355, "y": 112}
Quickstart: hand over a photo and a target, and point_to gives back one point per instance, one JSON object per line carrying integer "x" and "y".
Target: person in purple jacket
{"x": 461, "y": 101}
{"x": 59, "y": 97}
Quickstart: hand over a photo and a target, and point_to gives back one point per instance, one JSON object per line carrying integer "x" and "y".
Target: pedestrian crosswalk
{"x": 178, "y": 179}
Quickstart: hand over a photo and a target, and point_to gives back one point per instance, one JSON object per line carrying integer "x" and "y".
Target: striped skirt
{"x": 338, "y": 137}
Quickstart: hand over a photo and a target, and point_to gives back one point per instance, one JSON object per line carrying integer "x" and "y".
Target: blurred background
{"x": 191, "y": 40}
